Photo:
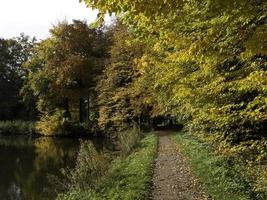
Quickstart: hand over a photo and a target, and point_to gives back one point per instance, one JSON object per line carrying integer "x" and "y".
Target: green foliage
{"x": 17, "y": 128}
{"x": 13, "y": 53}
{"x": 203, "y": 62}
{"x": 127, "y": 179}
{"x": 259, "y": 174}
{"x": 221, "y": 180}
{"x": 51, "y": 124}
{"x": 57, "y": 69}
{"x": 63, "y": 69}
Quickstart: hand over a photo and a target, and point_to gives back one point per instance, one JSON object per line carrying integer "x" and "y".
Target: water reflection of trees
{"x": 54, "y": 152}
{"x": 25, "y": 164}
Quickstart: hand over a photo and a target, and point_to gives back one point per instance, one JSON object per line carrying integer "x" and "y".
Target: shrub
{"x": 57, "y": 124}
{"x": 51, "y": 124}
{"x": 259, "y": 174}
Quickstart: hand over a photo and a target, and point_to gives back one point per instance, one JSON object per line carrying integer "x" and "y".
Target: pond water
{"x": 27, "y": 163}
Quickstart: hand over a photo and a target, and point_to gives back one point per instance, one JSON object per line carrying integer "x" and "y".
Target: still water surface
{"x": 26, "y": 163}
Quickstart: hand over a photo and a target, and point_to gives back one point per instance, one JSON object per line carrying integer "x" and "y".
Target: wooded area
{"x": 202, "y": 64}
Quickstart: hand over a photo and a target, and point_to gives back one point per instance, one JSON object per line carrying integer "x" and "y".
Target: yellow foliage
{"x": 51, "y": 124}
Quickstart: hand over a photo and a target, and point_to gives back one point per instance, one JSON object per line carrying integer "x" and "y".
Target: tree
{"x": 63, "y": 71}
{"x": 13, "y": 53}
{"x": 207, "y": 65}
{"x": 115, "y": 98}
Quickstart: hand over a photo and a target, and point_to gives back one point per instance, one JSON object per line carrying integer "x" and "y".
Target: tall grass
{"x": 127, "y": 178}
{"x": 128, "y": 140}
{"x": 90, "y": 167}
{"x": 222, "y": 181}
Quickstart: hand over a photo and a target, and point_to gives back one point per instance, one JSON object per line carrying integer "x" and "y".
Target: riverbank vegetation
{"x": 62, "y": 75}
{"x": 126, "y": 178}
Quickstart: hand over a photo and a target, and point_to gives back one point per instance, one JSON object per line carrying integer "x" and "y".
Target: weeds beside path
{"x": 127, "y": 178}
{"x": 221, "y": 180}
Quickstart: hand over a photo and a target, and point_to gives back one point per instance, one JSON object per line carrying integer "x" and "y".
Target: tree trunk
{"x": 88, "y": 107}
{"x": 81, "y": 109}
{"x": 67, "y": 108}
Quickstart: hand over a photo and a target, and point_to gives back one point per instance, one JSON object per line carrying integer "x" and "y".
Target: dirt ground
{"x": 172, "y": 179}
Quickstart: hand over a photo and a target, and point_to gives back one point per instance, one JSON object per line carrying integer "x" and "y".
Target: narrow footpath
{"x": 172, "y": 179}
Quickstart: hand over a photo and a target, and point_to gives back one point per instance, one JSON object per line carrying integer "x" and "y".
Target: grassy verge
{"x": 17, "y": 127}
{"x": 222, "y": 182}
{"x": 127, "y": 179}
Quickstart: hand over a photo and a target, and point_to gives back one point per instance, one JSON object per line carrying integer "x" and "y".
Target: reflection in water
{"x": 25, "y": 164}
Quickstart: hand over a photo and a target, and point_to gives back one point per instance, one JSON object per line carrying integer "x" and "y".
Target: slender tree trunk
{"x": 81, "y": 109}
{"x": 139, "y": 121}
{"x": 67, "y": 108}
{"x": 88, "y": 107}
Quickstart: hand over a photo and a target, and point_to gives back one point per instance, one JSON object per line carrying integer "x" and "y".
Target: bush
{"x": 17, "y": 127}
{"x": 51, "y": 124}
{"x": 57, "y": 124}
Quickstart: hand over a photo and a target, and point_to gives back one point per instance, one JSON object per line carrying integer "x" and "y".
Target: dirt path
{"x": 172, "y": 179}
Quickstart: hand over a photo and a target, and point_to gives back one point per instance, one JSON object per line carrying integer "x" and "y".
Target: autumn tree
{"x": 63, "y": 71}
{"x": 115, "y": 98}
{"x": 207, "y": 67}
{"x": 208, "y": 60}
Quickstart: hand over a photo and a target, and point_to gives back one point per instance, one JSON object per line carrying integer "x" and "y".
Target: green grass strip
{"x": 220, "y": 180}
{"x": 127, "y": 179}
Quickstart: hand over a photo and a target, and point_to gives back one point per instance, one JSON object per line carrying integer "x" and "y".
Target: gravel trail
{"x": 172, "y": 179}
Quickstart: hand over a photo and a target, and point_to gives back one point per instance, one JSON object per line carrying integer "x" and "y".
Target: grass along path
{"x": 127, "y": 179}
{"x": 172, "y": 179}
{"x": 220, "y": 180}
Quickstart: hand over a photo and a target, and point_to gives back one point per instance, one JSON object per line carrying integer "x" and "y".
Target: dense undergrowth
{"x": 223, "y": 177}
{"x": 128, "y": 140}
{"x": 127, "y": 178}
